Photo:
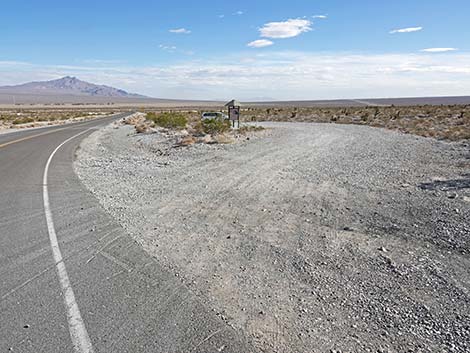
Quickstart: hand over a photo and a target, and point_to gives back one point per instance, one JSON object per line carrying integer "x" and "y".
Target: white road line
{"x": 78, "y": 333}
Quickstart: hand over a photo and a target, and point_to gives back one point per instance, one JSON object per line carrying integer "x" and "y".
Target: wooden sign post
{"x": 234, "y": 113}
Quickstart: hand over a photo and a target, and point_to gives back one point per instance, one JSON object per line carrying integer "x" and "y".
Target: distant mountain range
{"x": 70, "y": 86}
{"x": 71, "y": 90}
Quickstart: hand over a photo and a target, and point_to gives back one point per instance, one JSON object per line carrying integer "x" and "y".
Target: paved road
{"x": 71, "y": 280}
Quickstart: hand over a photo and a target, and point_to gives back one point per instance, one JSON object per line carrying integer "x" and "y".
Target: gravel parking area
{"x": 311, "y": 238}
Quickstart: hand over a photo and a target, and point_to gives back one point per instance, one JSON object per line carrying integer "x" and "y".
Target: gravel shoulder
{"x": 311, "y": 238}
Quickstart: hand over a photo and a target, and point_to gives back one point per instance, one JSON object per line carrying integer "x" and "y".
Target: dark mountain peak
{"x": 71, "y": 79}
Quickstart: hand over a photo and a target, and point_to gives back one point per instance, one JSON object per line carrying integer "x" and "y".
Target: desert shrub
{"x": 66, "y": 116}
{"x": 365, "y": 117}
{"x": 151, "y": 116}
{"x": 23, "y": 120}
{"x": 170, "y": 120}
{"x": 197, "y": 127}
{"x": 215, "y": 126}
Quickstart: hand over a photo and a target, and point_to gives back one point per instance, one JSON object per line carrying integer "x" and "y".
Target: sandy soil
{"x": 314, "y": 238}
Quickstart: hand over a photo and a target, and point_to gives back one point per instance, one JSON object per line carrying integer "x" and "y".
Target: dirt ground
{"x": 311, "y": 238}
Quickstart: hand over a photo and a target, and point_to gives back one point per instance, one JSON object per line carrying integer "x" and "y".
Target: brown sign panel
{"x": 234, "y": 113}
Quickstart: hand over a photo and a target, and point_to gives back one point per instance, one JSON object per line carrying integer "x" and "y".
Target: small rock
{"x": 348, "y": 229}
{"x": 452, "y": 195}
{"x": 26, "y": 326}
{"x": 383, "y": 249}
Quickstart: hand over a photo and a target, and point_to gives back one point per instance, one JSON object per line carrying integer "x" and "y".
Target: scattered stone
{"x": 379, "y": 301}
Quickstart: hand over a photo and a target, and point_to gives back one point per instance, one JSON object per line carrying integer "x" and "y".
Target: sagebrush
{"x": 168, "y": 120}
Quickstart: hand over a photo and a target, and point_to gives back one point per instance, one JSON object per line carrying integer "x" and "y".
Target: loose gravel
{"x": 311, "y": 238}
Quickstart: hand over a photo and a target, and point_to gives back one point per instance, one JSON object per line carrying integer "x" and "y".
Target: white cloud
{"x": 287, "y": 29}
{"x": 173, "y": 49}
{"x": 260, "y": 43}
{"x": 169, "y": 48}
{"x": 239, "y": 13}
{"x": 407, "y": 30}
{"x": 14, "y": 63}
{"x": 221, "y": 16}
{"x": 280, "y": 75}
{"x": 180, "y": 31}
{"x": 439, "y": 50}
{"x": 322, "y": 17}
{"x": 102, "y": 62}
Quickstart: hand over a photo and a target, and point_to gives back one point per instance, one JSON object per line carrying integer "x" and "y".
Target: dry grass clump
{"x": 450, "y": 122}
{"x": 246, "y": 129}
{"x": 456, "y": 133}
{"x": 188, "y": 140}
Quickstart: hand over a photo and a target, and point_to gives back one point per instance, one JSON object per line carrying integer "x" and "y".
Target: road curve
{"x": 71, "y": 280}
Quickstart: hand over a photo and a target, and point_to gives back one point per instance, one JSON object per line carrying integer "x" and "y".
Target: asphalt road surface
{"x": 71, "y": 280}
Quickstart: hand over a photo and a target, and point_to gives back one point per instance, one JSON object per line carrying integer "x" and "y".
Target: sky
{"x": 248, "y": 50}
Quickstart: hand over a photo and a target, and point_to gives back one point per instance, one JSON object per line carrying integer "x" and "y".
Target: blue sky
{"x": 250, "y": 50}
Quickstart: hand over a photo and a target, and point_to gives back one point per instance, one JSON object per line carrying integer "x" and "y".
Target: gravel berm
{"x": 309, "y": 238}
